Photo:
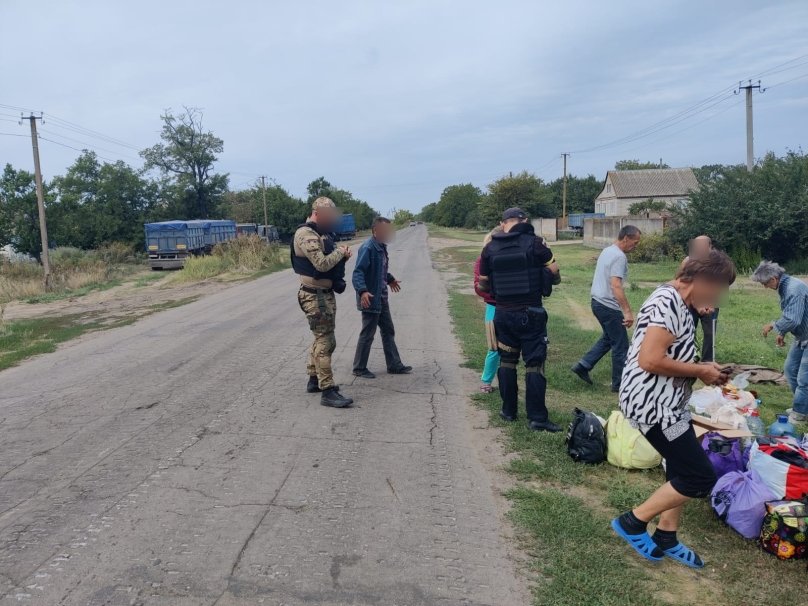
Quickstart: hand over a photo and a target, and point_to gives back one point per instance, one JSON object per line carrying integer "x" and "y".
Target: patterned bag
{"x": 785, "y": 530}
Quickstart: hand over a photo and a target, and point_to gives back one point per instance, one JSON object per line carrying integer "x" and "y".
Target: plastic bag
{"x": 739, "y": 500}
{"x": 723, "y": 461}
{"x": 741, "y": 381}
{"x": 627, "y": 447}
{"x": 706, "y": 400}
{"x": 729, "y": 414}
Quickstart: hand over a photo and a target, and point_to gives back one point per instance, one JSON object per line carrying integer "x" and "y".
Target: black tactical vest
{"x": 304, "y": 267}
{"x": 515, "y": 277}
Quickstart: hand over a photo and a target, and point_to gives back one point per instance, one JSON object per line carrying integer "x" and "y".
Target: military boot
{"x": 313, "y": 385}
{"x": 333, "y": 398}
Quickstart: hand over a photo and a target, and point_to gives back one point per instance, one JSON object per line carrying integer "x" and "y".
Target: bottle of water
{"x": 755, "y": 424}
{"x": 781, "y": 427}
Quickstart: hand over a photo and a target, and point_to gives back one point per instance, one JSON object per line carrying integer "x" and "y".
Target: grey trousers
{"x": 384, "y": 322}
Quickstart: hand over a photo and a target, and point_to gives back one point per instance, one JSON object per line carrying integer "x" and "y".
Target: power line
{"x": 89, "y": 146}
{"x": 13, "y": 134}
{"x": 76, "y": 148}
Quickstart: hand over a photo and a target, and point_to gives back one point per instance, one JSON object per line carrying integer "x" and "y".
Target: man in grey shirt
{"x": 611, "y": 308}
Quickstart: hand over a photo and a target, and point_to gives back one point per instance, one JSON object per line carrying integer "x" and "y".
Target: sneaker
{"x": 401, "y": 370}
{"x": 582, "y": 373}
{"x": 364, "y": 374}
{"x": 507, "y": 417}
{"x": 796, "y": 417}
{"x": 544, "y": 426}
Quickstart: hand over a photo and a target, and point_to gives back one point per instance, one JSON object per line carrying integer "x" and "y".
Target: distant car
{"x": 413, "y": 224}
{"x": 420, "y": 222}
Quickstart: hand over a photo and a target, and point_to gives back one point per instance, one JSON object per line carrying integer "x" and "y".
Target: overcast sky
{"x": 396, "y": 100}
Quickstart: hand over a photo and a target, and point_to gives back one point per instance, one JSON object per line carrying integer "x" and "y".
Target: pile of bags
{"x": 730, "y": 404}
{"x": 762, "y": 490}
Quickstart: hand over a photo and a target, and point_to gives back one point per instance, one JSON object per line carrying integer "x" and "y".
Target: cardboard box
{"x": 703, "y": 424}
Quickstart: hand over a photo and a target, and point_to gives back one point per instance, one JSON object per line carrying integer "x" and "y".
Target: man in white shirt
{"x": 611, "y": 307}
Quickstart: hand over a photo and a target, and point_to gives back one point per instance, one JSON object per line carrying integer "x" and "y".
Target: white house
{"x": 625, "y": 187}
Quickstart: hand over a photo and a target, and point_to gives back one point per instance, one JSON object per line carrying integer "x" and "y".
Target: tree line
{"x": 97, "y": 202}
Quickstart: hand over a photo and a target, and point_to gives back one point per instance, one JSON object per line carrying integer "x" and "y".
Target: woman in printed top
{"x": 492, "y": 357}
{"x": 661, "y": 367}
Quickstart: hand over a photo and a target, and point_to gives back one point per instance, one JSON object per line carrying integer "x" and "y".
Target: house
{"x": 625, "y": 187}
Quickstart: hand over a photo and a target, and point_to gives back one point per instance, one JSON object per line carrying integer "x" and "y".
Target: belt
{"x": 315, "y": 291}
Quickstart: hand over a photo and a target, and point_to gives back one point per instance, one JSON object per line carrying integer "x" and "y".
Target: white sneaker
{"x": 796, "y": 417}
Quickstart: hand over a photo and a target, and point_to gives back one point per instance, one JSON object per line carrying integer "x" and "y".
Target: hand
{"x": 767, "y": 329}
{"x": 364, "y": 300}
{"x": 346, "y": 252}
{"x": 628, "y": 319}
{"x": 395, "y": 285}
{"x": 710, "y": 374}
{"x": 705, "y": 311}
{"x": 781, "y": 341}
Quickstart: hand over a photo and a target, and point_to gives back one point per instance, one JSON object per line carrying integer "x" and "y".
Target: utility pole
{"x": 40, "y": 200}
{"x": 564, "y": 192}
{"x": 264, "y": 194}
{"x": 750, "y": 151}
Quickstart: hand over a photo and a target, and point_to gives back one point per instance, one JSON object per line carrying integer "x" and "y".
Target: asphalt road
{"x": 178, "y": 461}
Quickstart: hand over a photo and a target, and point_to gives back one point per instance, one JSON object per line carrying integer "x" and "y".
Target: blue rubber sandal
{"x": 684, "y": 555}
{"x": 643, "y": 544}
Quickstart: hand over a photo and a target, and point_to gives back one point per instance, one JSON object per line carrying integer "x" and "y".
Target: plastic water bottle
{"x": 781, "y": 427}
{"x": 755, "y": 424}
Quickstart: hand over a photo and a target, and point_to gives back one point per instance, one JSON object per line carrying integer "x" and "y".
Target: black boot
{"x": 333, "y": 398}
{"x": 313, "y": 385}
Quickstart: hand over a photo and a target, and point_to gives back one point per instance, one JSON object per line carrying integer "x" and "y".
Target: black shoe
{"x": 544, "y": 426}
{"x": 313, "y": 385}
{"x": 333, "y": 398}
{"x": 582, "y": 373}
{"x": 364, "y": 374}
{"x": 401, "y": 370}
{"x": 507, "y": 417}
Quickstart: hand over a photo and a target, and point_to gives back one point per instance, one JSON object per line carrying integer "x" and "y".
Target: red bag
{"x": 785, "y": 480}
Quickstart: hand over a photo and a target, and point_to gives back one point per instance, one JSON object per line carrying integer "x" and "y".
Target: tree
{"x": 762, "y": 213}
{"x": 637, "y": 165}
{"x": 647, "y": 207}
{"x": 427, "y": 214}
{"x": 402, "y": 216}
{"x": 19, "y": 216}
{"x": 362, "y": 212}
{"x": 284, "y": 211}
{"x": 524, "y": 190}
{"x": 187, "y": 156}
{"x": 581, "y": 193}
{"x": 458, "y": 206}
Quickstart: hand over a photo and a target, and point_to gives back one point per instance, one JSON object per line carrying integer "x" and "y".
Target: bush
{"x": 244, "y": 255}
{"x": 656, "y": 247}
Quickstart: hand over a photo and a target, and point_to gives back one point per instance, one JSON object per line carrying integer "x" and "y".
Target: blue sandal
{"x": 684, "y": 555}
{"x": 643, "y": 544}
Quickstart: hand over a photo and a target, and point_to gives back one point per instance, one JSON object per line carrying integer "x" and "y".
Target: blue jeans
{"x": 796, "y": 372}
{"x": 522, "y": 332}
{"x": 614, "y": 339}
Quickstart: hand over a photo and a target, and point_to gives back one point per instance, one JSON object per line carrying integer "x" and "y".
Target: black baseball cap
{"x": 514, "y": 213}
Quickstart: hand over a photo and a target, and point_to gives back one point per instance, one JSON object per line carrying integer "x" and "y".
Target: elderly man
{"x": 794, "y": 319}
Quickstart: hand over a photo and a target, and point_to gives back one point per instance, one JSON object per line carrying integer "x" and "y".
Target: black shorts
{"x": 687, "y": 467}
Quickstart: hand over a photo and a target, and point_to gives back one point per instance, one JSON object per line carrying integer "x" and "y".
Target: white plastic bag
{"x": 729, "y": 414}
{"x": 741, "y": 381}
{"x": 707, "y": 400}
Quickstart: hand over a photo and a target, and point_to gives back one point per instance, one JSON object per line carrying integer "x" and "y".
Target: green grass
{"x": 149, "y": 278}
{"x": 455, "y": 233}
{"x": 565, "y": 507}
{"x": 49, "y": 297}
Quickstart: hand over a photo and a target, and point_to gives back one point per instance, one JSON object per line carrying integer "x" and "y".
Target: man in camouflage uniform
{"x": 321, "y": 267}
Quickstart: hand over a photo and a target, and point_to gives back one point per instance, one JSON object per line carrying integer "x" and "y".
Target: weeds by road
{"x": 564, "y": 508}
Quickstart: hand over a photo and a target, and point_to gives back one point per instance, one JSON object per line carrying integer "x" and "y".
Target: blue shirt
{"x": 612, "y": 263}
{"x": 794, "y": 303}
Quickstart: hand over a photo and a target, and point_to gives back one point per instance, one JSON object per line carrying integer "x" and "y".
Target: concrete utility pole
{"x": 750, "y": 146}
{"x": 264, "y": 194}
{"x": 564, "y": 192}
{"x": 40, "y": 201}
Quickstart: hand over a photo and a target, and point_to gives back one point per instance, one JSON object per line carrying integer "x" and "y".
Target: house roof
{"x": 652, "y": 182}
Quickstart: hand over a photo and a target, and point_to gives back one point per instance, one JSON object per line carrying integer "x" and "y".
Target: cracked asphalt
{"x": 178, "y": 461}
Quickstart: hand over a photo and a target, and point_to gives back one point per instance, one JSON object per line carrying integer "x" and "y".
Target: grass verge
{"x": 564, "y": 508}
{"x": 247, "y": 256}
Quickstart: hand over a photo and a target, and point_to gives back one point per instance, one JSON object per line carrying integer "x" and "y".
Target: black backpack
{"x": 586, "y": 440}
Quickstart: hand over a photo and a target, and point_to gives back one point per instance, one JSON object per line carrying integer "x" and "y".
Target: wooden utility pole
{"x": 564, "y": 192}
{"x": 40, "y": 201}
{"x": 264, "y": 194}
{"x": 750, "y": 151}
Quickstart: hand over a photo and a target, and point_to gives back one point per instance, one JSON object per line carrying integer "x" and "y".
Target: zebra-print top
{"x": 647, "y": 399}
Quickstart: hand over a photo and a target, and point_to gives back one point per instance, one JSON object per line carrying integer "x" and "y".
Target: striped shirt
{"x": 794, "y": 303}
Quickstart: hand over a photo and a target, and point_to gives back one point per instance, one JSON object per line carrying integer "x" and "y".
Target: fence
{"x": 599, "y": 233}
{"x": 546, "y": 228}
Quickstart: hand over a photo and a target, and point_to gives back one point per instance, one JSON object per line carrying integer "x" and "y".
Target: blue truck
{"x": 346, "y": 229}
{"x": 170, "y": 243}
{"x": 576, "y": 221}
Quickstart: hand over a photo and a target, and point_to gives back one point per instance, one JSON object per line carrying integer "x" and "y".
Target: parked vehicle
{"x": 576, "y": 220}
{"x": 269, "y": 233}
{"x": 170, "y": 243}
{"x": 413, "y": 224}
{"x": 346, "y": 230}
{"x": 246, "y": 229}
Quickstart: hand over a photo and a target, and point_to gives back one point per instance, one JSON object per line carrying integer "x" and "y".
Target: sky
{"x": 395, "y": 101}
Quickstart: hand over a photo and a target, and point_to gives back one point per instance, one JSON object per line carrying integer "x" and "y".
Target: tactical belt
{"x": 315, "y": 291}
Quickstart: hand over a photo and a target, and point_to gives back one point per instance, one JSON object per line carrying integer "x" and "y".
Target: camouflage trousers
{"x": 320, "y": 309}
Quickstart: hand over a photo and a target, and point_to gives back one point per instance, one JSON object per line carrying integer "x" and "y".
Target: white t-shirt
{"x": 612, "y": 263}
{"x": 647, "y": 399}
